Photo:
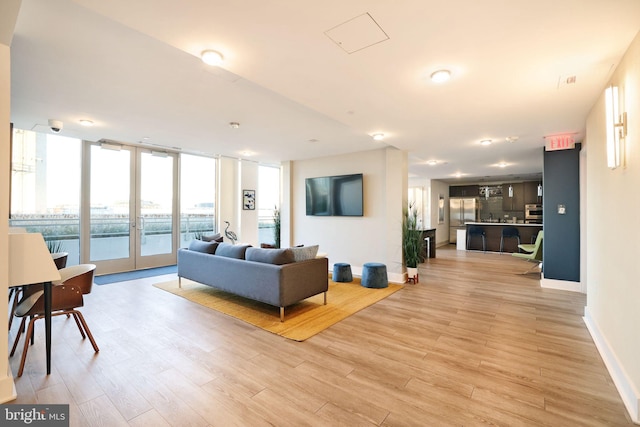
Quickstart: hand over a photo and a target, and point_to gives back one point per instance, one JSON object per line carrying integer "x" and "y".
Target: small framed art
{"x": 249, "y": 199}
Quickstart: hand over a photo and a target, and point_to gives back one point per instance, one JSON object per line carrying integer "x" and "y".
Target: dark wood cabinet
{"x": 464, "y": 191}
{"x": 516, "y": 201}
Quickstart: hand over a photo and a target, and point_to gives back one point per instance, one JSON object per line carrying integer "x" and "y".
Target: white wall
{"x": 442, "y": 230}
{"x": 374, "y": 237}
{"x": 8, "y": 11}
{"x": 613, "y": 287}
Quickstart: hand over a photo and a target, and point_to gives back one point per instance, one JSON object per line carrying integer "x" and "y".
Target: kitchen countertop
{"x": 503, "y": 223}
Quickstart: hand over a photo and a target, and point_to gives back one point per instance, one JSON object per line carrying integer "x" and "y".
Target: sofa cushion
{"x": 213, "y": 238}
{"x": 231, "y": 251}
{"x": 200, "y": 246}
{"x": 304, "y": 253}
{"x": 270, "y": 256}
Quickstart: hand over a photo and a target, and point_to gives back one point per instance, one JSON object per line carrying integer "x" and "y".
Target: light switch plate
{"x": 561, "y": 210}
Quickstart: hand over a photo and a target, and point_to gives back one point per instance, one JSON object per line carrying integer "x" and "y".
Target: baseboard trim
{"x": 630, "y": 396}
{"x": 562, "y": 285}
{"x": 7, "y": 387}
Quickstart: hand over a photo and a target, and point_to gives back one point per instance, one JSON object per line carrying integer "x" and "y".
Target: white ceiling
{"x": 133, "y": 68}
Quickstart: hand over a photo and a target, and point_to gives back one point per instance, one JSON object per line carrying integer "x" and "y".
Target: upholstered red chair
{"x": 66, "y": 297}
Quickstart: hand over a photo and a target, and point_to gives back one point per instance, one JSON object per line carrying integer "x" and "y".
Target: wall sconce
{"x": 540, "y": 190}
{"x": 616, "y": 128}
{"x": 510, "y": 190}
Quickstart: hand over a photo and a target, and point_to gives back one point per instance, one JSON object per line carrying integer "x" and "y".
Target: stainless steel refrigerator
{"x": 461, "y": 210}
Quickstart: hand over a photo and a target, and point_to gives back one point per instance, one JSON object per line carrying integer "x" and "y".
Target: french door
{"x": 131, "y": 220}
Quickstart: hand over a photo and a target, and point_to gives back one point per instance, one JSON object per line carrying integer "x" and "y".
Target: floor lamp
{"x": 31, "y": 263}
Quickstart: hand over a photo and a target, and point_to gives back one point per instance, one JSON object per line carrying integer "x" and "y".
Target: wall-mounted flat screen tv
{"x": 334, "y": 195}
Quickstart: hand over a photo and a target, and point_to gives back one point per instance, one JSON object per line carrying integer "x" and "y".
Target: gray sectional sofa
{"x": 279, "y": 277}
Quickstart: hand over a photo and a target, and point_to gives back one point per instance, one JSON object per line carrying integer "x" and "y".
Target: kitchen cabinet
{"x": 531, "y": 193}
{"x": 516, "y": 202}
{"x": 464, "y": 191}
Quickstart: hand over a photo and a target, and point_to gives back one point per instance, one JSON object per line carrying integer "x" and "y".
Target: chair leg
{"x": 26, "y": 344}
{"x": 15, "y": 342}
{"x": 86, "y": 329}
{"x": 75, "y": 317}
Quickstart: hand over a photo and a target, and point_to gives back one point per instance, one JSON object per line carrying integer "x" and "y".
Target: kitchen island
{"x": 493, "y": 231}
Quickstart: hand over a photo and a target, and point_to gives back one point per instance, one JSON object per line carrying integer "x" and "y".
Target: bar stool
{"x": 475, "y": 230}
{"x": 509, "y": 232}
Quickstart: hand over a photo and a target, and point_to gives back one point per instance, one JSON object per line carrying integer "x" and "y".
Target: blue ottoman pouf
{"x": 374, "y": 275}
{"x": 342, "y": 272}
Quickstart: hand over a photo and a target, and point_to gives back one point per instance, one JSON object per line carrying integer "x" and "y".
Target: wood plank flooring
{"x": 474, "y": 343}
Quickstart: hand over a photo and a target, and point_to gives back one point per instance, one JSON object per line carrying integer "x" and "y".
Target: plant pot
{"x": 412, "y": 273}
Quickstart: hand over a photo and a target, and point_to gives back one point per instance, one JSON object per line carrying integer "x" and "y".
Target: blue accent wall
{"x": 561, "y": 245}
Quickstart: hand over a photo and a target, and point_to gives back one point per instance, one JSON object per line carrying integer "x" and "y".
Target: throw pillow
{"x": 213, "y": 238}
{"x": 200, "y": 246}
{"x": 269, "y": 256}
{"x": 231, "y": 251}
{"x": 304, "y": 253}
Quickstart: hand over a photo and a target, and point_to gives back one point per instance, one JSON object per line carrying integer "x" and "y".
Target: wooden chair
{"x": 533, "y": 252}
{"x": 66, "y": 297}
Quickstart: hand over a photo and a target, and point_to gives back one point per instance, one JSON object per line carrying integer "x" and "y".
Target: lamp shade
{"x": 29, "y": 260}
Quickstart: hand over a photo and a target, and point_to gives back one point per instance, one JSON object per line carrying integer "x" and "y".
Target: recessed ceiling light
{"x": 312, "y": 140}
{"x": 485, "y": 142}
{"x": 432, "y": 162}
{"x": 85, "y": 122}
{"x": 378, "y": 136}
{"x": 458, "y": 175}
{"x": 211, "y": 57}
{"x": 234, "y": 125}
{"x": 502, "y": 165}
{"x": 512, "y": 138}
{"x": 441, "y": 76}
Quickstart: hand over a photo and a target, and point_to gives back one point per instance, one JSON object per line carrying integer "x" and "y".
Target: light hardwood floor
{"x": 474, "y": 343}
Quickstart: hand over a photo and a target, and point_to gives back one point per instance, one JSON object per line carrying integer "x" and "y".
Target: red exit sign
{"x": 560, "y": 142}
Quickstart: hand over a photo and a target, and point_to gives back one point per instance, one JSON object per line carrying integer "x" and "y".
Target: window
{"x": 268, "y": 204}
{"x": 197, "y": 197}
{"x": 45, "y": 189}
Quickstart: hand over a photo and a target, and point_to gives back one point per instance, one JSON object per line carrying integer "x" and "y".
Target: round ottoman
{"x": 374, "y": 275}
{"x": 342, "y": 272}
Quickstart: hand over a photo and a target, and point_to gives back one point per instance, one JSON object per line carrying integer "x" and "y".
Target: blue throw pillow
{"x": 200, "y": 246}
{"x": 269, "y": 256}
{"x": 231, "y": 251}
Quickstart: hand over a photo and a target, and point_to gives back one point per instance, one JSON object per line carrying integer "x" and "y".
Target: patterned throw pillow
{"x": 304, "y": 253}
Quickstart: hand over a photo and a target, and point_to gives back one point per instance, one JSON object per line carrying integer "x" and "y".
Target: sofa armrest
{"x": 303, "y": 279}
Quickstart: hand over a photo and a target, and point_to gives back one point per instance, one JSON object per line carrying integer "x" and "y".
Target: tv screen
{"x": 334, "y": 195}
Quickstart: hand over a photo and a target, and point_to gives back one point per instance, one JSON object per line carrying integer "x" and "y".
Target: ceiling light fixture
{"x": 432, "y": 162}
{"x": 86, "y": 123}
{"x": 378, "y": 136}
{"x": 486, "y": 142}
{"x": 234, "y": 125}
{"x": 502, "y": 165}
{"x": 212, "y": 57}
{"x": 441, "y": 76}
{"x": 511, "y": 138}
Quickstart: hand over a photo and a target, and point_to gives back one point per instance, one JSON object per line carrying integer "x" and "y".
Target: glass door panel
{"x": 156, "y": 207}
{"x": 110, "y": 204}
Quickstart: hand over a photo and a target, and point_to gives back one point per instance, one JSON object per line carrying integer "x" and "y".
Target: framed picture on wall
{"x": 249, "y": 199}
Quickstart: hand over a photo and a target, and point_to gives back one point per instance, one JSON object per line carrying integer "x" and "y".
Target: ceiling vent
{"x": 357, "y": 33}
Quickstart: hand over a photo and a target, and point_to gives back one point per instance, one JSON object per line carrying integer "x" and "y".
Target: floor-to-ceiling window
{"x": 45, "y": 189}
{"x": 268, "y": 203}
{"x": 197, "y": 197}
{"x": 116, "y": 205}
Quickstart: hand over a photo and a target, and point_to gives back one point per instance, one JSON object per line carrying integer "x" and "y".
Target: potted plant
{"x": 411, "y": 242}
{"x": 276, "y": 227}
